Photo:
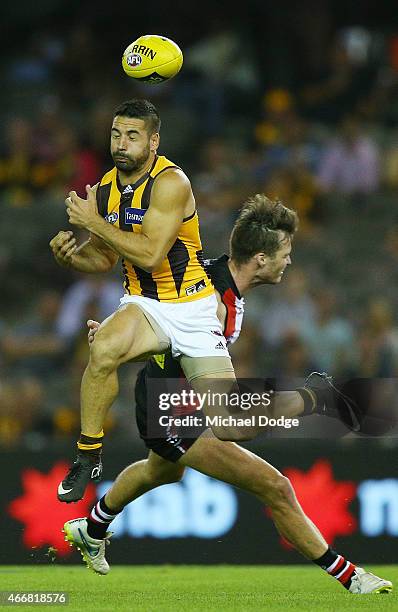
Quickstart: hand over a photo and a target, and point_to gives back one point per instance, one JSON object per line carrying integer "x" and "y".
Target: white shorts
{"x": 192, "y": 327}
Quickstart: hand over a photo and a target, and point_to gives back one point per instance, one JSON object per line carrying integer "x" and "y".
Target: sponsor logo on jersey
{"x": 220, "y": 345}
{"x": 128, "y": 189}
{"x": 112, "y": 217}
{"x": 134, "y": 216}
{"x": 134, "y": 60}
{"x": 195, "y": 288}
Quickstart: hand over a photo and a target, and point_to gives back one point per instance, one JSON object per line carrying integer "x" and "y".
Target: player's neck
{"x": 132, "y": 177}
{"x": 241, "y": 276}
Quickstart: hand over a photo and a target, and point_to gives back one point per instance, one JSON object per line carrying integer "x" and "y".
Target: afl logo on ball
{"x": 134, "y": 60}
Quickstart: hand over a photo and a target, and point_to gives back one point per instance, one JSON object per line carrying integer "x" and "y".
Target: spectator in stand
{"x": 293, "y": 361}
{"x": 34, "y": 347}
{"x": 21, "y": 403}
{"x": 220, "y": 184}
{"x": 79, "y": 302}
{"x": 289, "y": 312}
{"x": 220, "y": 180}
{"x": 16, "y": 159}
{"x": 350, "y": 162}
{"x": 378, "y": 341}
{"x": 287, "y": 155}
{"x": 245, "y": 354}
{"x": 77, "y": 164}
{"x": 219, "y": 72}
{"x": 277, "y": 114}
{"x": 338, "y": 84}
{"x": 329, "y": 336}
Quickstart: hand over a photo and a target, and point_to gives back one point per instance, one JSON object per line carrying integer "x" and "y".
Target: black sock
{"x": 336, "y": 566}
{"x": 90, "y": 444}
{"x": 99, "y": 519}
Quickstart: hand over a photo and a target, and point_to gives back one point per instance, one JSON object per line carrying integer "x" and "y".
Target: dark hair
{"x": 258, "y": 228}
{"x": 140, "y": 109}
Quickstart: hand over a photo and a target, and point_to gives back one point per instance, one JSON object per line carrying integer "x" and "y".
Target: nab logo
{"x": 198, "y": 507}
{"x": 112, "y": 217}
{"x": 134, "y": 216}
{"x": 134, "y": 60}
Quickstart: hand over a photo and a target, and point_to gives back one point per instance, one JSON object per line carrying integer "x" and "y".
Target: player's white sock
{"x": 337, "y": 566}
{"x": 99, "y": 519}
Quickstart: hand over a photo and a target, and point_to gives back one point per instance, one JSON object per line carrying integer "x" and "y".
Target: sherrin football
{"x": 152, "y": 58}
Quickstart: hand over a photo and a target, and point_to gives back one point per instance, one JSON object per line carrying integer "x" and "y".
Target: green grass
{"x": 180, "y": 588}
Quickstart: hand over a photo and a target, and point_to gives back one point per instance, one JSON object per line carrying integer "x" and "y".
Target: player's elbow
{"x": 150, "y": 259}
{"x": 152, "y": 263}
{"x": 149, "y": 265}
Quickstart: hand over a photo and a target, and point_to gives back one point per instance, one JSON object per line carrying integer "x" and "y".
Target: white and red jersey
{"x": 224, "y": 283}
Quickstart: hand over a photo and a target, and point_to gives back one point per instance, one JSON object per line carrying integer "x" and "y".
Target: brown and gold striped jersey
{"x": 181, "y": 277}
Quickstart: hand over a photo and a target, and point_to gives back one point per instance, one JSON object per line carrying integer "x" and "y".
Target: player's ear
{"x": 154, "y": 142}
{"x": 261, "y": 259}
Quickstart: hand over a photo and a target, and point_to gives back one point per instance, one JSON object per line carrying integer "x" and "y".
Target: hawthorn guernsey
{"x": 181, "y": 276}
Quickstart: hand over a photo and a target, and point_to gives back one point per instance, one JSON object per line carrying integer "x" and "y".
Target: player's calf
{"x": 276, "y": 493}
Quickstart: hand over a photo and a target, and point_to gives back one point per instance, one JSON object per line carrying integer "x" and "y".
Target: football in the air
{"x": 152, "y": 58}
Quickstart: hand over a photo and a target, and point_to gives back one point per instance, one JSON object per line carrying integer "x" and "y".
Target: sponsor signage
{"x": 350, "y": 491}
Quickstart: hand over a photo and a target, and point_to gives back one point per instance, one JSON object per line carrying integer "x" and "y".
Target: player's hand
{"x": 93, "y": 327}
{"x": 63, "y": 246}
{"x": 81, "y": 212}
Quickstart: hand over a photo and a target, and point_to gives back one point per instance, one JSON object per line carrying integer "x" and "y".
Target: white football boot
{"x": 92, "y": 550}
{"x": 363, "y": 583}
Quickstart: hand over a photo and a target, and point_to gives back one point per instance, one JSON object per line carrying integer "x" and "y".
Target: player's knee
{"x": 101, "y": 358}
{"x": 278, "y": 493}
{"x": 105, "y": 353}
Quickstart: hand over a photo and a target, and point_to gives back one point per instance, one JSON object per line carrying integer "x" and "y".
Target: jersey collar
{"x": 225, "y": 258}
{"x": 131, "y": 187}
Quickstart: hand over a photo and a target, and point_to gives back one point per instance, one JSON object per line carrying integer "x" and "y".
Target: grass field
{"x": 176, "y": 588}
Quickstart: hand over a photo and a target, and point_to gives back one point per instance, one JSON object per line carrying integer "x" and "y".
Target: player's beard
{"x": 128, "y": 165}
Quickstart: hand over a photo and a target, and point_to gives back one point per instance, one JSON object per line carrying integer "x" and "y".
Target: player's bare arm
{"x": 92, "y": 256}
{"x": 171, "y": 200}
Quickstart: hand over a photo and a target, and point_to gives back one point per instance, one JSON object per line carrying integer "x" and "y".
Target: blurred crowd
{"x": 323, "y": 139}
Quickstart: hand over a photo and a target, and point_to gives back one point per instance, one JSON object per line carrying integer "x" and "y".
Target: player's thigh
{"x": 199, "y": 369}
{"x": 231, "y": 463}
{"x": 163, "y": 470}
{"x": 221, "y": 403}
{"x": 213, "y": 378}
{"x": 126, "y": 334}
